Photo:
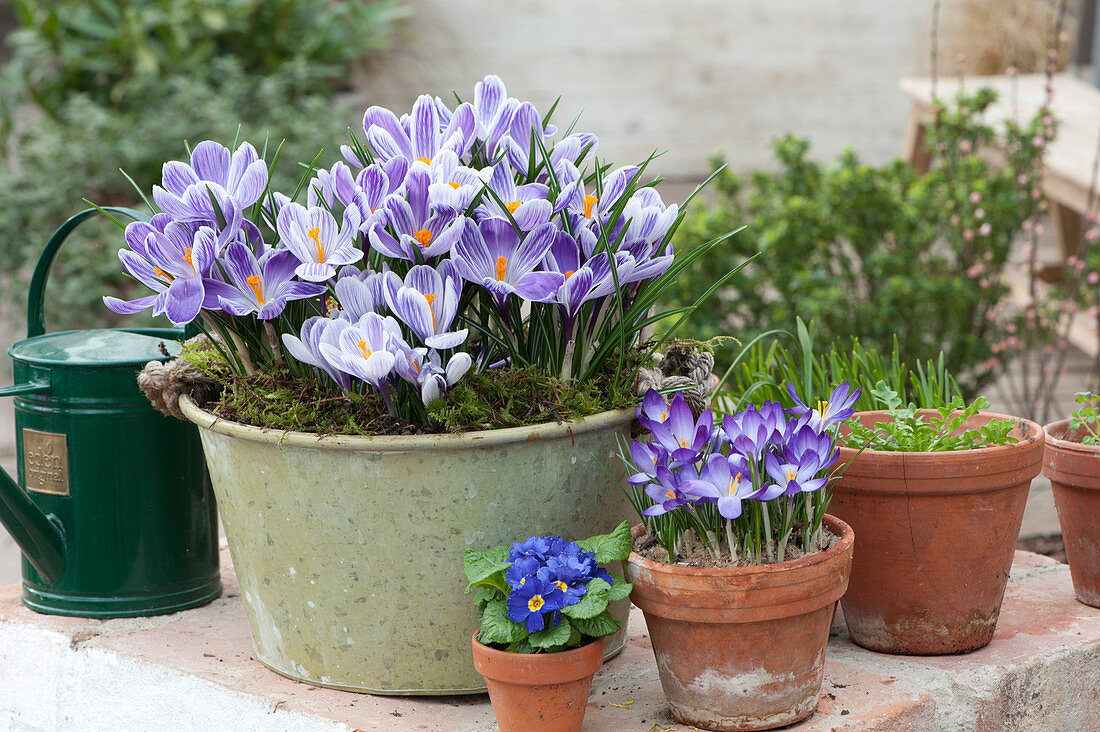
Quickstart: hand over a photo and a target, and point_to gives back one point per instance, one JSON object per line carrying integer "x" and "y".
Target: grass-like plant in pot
{"x": 466, "y": 268}
{"x": 1071, "y": 461}
{"x": 936, "y": 497}
{"x": 735, "y": 565}
{"x": 543, "y": 616}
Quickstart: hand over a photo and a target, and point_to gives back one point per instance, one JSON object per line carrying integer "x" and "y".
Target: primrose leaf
{"x": 556, "y": 636}
{"x": 610, "y": 547}
{"x": 599, "y": 626}
{"x": 480, "y": 567}
{"x": 497, "y": 627}
{"x": 619, "y": 590}
{"x": 592, "y": 603}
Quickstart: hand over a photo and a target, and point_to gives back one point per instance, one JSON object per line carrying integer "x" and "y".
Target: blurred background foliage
{"x": 873, "y": 252}
{"x": 95, "y": 86}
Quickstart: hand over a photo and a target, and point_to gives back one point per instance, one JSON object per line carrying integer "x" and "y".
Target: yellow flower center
{"x": 664, "y": 416}
{"x": 823, "y": 408}
{"x": 455, "y": 185}
{"x": 561, "y": 585}
{"x": 315, "y": 234}
{"x": 257, "y": 286}
{"x": 535, "y": 603}
{"x": 733, "y": 483}
{"x": 669, "y": 494}
{"x": 423, "y": 237}
{"x": 364, "y": 350}
{"x": 426, "y": 161}
{"x": 790, "y": 474}
{"x": 513, "y": 206}
{"x": 502, "y": 267}
{"x": 683, "y": 442}
{"x": 589, "y": 201}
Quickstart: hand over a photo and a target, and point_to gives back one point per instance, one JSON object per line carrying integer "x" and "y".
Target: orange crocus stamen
{"x": 733, "y": 483}
{"x": 257, "y": 286}
{"x": 502, "y": 267}
{"x": 430, "y": 297}
{"x": 315, "y": 234}
{"x": 568, "y": 274}
{"x": 455, "y": 185}
{"x": 670, "y": 494}
{"x": 513, "y": 206}
{"x": 364, "y": 350}
{"x": 161, "y": 273}
{"x": 423, "y": 237}
{"x": 426, "y": 161}
{"x": 589, "y": 201}
{"x": 187, "y": 256}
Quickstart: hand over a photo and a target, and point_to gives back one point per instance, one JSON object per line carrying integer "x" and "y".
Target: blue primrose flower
{"x": 532, "y": 601}
{"x": 522, "y": 568}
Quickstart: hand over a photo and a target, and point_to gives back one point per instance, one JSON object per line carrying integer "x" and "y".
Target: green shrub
{"x": 872, "y": 252}
{"x": 110, "y": 85}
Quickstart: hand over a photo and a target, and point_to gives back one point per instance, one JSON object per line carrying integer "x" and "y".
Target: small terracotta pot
{"x": 539, "y": 691}
{"x": 1074, "y": 472}
{"x": 937, "y": 533}
{"x": 742, "y": 648}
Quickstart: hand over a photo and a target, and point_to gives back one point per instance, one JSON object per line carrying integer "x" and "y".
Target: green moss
{"x": 493, "y": 400}
{"x": 518, "y": 397}
{"x": 201, "y": 354}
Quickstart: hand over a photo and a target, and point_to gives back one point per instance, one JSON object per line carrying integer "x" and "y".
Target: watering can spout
{"x": 38, "y": 537}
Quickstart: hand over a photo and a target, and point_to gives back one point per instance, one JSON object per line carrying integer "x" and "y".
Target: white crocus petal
{"x": 457, "y": 367}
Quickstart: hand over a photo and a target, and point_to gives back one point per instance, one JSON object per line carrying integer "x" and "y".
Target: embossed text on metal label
{"x": 46, "y": 462}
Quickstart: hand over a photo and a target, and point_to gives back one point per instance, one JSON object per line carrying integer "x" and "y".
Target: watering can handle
{"x": 36, "y": 322}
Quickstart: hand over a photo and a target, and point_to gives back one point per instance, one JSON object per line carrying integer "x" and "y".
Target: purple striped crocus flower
{"x": 526, "y": 204}
{"x": 422, "y": 234}
{"x": 367, "y": 350}
{"x": 420, "y": 135}
{"x": 492, "y": 255}
{"x": 185, "y": 195}
{"x": 169, "y": 258}
{"x": 307, "y": 348}
{"x": 262, "y": 286}
{"x": 427, "y": 302}
{"x": 316, "y": 240}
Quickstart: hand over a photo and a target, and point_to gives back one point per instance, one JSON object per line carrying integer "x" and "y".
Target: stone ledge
{"x": 195, "y": 671}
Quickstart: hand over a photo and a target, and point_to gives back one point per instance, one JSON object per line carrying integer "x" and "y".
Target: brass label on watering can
{"x": 46, "y": 462}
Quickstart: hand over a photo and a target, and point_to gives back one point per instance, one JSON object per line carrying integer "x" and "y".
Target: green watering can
{"x": 113, "y": 509}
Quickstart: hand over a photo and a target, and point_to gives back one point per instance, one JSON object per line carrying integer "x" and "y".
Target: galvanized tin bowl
{"x": 349, "y": 549}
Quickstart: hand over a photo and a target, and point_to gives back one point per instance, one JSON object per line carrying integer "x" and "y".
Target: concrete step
{"x": 195, "y": 670}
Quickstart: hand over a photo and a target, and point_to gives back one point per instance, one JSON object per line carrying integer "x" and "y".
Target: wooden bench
{"x": 1068, "y": 162}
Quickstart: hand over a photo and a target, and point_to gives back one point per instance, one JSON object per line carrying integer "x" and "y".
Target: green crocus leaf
{"x": 598, "y": 626}
{"x": 619, "y": 590}
{"x": 496, "y": 627}
{"x": 486, "y": 569}
{"x": 611, "y": 547}
{"x": 592, "y": 603}
{"x": 549, "y": 637}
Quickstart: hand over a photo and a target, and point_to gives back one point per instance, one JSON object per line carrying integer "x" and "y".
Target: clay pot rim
{"x": 403, "y": 443}
{"x": 582, "y": 657}
{"x": 1055, "y": 432}
{"x": 1030, "y": 433}
{"x": 847, "y": 538}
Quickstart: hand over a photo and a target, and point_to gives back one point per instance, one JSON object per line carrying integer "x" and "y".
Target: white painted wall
{"x": 693, "y": 77}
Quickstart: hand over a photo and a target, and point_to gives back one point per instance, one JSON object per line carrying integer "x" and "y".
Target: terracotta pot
{"x": 742, "y": 648}
{"x": 547, "y": 692}
{"x": 1074, "y": 472}
{"x": 937, "y": 533}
